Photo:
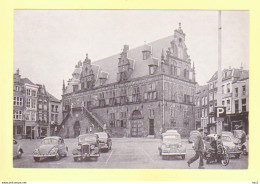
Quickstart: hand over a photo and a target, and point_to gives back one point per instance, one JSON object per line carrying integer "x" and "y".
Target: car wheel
{"x": 19, "y": 155}
{"x": 183, "y": 157}
{"x": 244, "y": 151}
{"x": 36, "y": 159}
{"x": 237, "y": 156}
{"x": 57, "y": 157}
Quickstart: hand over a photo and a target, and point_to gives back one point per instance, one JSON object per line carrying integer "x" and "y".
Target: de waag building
{"x": 137, "y": 93}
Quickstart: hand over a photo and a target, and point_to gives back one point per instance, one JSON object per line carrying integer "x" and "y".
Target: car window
{"x": 50, "y": 141}
{"x": 102, "y": 135}
{"x": 87, "y": 138}
{"x": 171, "y": 138}
{"x": 226, "y": 139}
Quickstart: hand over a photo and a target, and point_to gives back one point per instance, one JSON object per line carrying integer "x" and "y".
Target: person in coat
{"x": 199, "y": 149}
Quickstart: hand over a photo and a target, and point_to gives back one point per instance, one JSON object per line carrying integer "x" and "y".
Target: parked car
{"x": 193, "y": 136}
{"x": 105, "y": 141}
{"x": 171, "y": 131}
{"x": 88, "y": 147}
{"x": 241, "y": 135}
{"x": 235, "y": 139}
{"x": 245, "y": 147}
{"x": 171, "y": 145}
{"x": 17, "y": 149}
{"x": 51, "y": 147}
{"x": 231, "y": 148}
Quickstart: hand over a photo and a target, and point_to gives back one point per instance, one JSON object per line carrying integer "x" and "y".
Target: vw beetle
{"x": 88, "y": 147}
{"x": 17, "y": 149}
{"x": 51, "y": 147}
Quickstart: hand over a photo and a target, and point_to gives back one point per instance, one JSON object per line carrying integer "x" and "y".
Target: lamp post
{"x": 219, "y": 92}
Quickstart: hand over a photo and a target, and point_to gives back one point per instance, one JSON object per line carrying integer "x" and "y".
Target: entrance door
{"x": 151, "y": 126}
{"x": 76, "y": 129}
{"x": 137, "y": 128}
{"x": 28, "y": 132}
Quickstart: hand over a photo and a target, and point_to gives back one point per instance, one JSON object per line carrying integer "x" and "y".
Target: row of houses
{"x": 36, "y": 113}
{"x": 235, "y": 97}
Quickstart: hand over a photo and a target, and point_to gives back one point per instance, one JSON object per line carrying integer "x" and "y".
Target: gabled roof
{"x": 52, "y": 98}
{"x": 27, "y": 81}
{"x": 110, "y": 64}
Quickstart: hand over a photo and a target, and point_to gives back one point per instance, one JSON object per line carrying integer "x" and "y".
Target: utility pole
{"x": 219, "y": 92}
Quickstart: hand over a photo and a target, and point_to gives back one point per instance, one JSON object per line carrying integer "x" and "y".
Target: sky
{"x": 49, "y": 43}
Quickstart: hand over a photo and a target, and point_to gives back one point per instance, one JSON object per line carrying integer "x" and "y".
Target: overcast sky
{"x": 49, "y": 43}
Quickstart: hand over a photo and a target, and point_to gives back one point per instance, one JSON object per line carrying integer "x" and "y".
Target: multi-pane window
{"x": 228, "y": 88}
{"x": 28, "y": 102}
{"x": 228, "y": 105}
{"x": 52, "y": 117}
{"x": 210, "y": 96}
{"x": 33, "y": 115}
{"x": 33, "y": 104}
{"x": 223, "y": 103}
{"x": 202, "y": 101}
{"x": 17, "y": 88}
{"x": 223, "y": 89}
{"x": 236, "y": 106}
{"x": 243, "y": 105}
{"x": 151, "y": 113}
{"x": 236, "y": 92}
{"x": 28, "y": 92}
{"x": 18, "y": 115}
{"x": 243, "y": 90}
{"x": 146, "y": 55}
{"x": 18, "y": 101}
{"x": 34, "y": 93}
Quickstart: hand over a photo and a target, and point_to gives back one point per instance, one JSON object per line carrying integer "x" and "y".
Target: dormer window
{"x": 102, "y": 81}
{"x": 146, "y": 55}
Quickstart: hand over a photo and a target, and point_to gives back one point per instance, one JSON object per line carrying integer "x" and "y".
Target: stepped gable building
{"x": 140, "y": 92}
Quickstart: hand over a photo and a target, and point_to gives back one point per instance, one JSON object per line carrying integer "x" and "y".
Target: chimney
{"x": 126, "y": 48}
{"x": 18, "y": 71}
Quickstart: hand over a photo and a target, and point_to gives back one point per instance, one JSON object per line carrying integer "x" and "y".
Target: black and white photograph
{"x": 131, "y": 89}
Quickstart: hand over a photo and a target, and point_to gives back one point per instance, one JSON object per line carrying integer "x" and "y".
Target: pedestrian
{"x": 199, "y": 149}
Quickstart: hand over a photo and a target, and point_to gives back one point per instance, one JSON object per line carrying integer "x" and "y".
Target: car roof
{"x": 100, "y": 133}
{"x": 194, "y": 131}
{"x": 52, "y": 137}
{"x": 93, "y": 135}
{"x": 171, "y": 131}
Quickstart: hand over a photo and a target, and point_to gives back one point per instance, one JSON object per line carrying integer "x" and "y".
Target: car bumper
{"x": 44, "y": 156}
{"x": 235, "y": 152}
{"x": 103, "y": 146}
{"x": 87, "y": 155}
{"x": 173, "y": 154}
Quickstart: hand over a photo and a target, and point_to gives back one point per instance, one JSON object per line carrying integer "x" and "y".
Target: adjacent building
{"x": 139, "y": 92}
{"x": 31, "y": 109}
{"x": 202, "y": 108}
{"x": 234, "y": 97}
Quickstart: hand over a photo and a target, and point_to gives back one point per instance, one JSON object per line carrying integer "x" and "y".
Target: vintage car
{"x": 171, "y": 145}
{"x": 235, "y": 139}
{"x": 105, "y": 141}
{"x": 245, "y": 147}
{"x": 171, "y": 131}
{"x": 227, "y": 142}
{"x": 17, "y": 149}
{"x": 88, "y": 147}
{"x": 193, "y": 136}
{"x": 51, "y": 147}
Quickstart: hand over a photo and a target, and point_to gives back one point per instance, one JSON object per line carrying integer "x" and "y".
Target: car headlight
{"x": 53, "y": 151}
{"x": 92, "y": 146}
{"x": 36, "y": 152}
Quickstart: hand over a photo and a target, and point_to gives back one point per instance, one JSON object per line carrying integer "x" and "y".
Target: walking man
{"x": 198, "y": 148}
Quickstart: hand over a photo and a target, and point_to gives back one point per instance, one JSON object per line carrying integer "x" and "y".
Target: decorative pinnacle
{"x": 179, "y": 25}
